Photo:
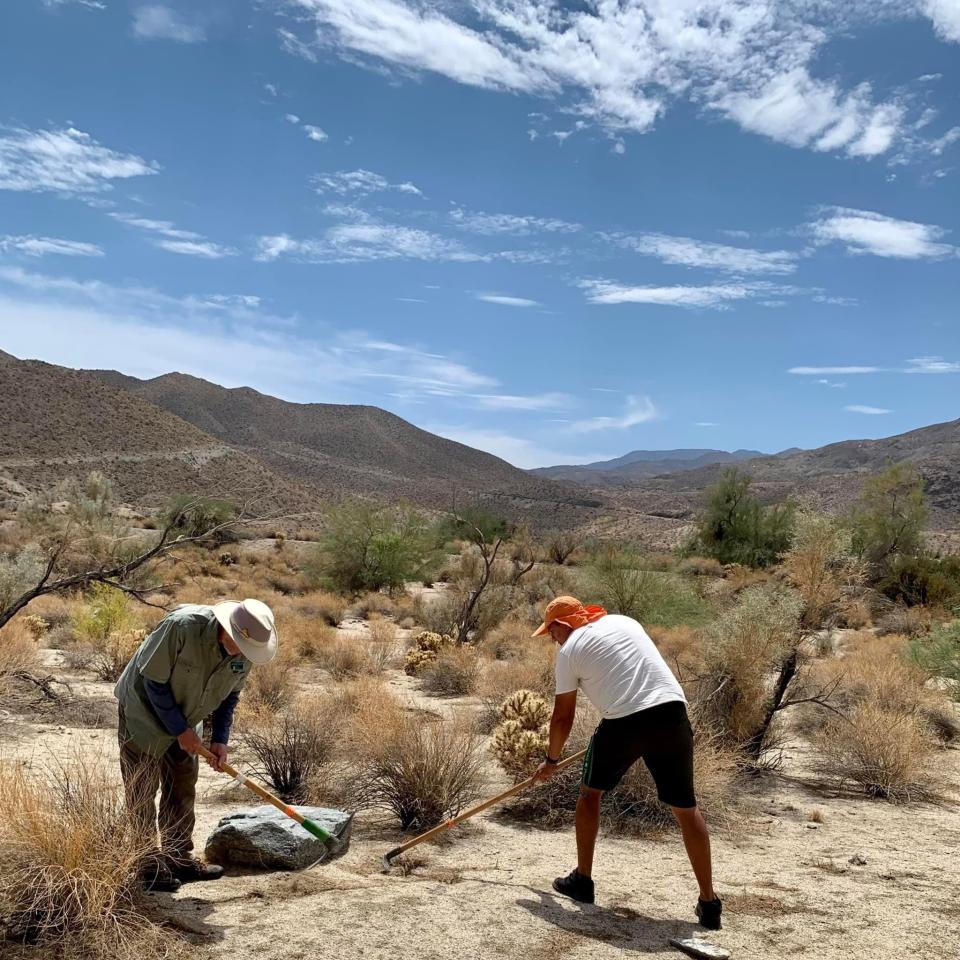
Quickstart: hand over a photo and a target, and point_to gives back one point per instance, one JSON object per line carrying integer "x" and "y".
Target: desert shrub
{"x": 742, "y": 646}
{"x": 18, "y": 651}
{"x": 938, "y": 654}
{"x": 375, "y": 604}
{"x": 884, "y": 751}
{"x": 271, "y": 686}
{"x": 368, "y": 547}
{"x": 106, "y": 633}
{"x": 194, "y": 516}
{"x": 437, "y": 614}
{"x": 621, "y": 584}
{"x": 734, "y": 527}
{"x": 680, "y": 646}
{"x": 904, "y": 621}
{"x": 70, "y": 857}
{"x": 345, "y": 657}
{"x": 382, "y": 631}
{"x": 426, "y": 648}
{"x": 381, "y": 656}
{"x": 109, "y": 658}
{"x": 18, "y": 574}
{"x": 921, "y": 580}
{"x": 508, "y": 640}
{"x": 819, "y": 564}
{"x": 293, "y": 749}
{"x": 455, "y": 672}
{"x": 330, "y": 607}
{"x": 309, "y": 641}
{"x": 560, "y": 545}
{"x": 422, "y": 771}
{"x": 701, "y": 567}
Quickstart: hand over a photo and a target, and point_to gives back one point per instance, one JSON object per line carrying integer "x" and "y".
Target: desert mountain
{"x": 59, "y": 423}
{"x": 832, "y": 475}
{"x": 336, "y": 448}
{"x": 642, "y": 463}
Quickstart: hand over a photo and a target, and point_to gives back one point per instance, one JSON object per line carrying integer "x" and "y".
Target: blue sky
{"x": 554, "y": 231}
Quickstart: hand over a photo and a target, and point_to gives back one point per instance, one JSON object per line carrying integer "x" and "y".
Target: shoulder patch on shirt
{"x": 237, "y": 666}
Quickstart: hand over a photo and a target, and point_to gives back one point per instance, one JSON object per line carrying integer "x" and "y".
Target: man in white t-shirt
{"x": 644, "y": 712}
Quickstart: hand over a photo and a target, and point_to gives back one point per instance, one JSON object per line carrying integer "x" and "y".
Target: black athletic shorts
{"x": 661, "y": 736}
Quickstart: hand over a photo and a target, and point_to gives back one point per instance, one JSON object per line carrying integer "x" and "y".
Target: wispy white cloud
{"x": 638, "y": 410}
{"x": 42, "y": 246}
{"x": 520, "y": 451}
{"x": 157, "y": 21}
{"x": 362, "y": 241}
{"x": 836, "y": 301}
{"x": 506, "y": 301}
{"x": 932, "y": 365}
{"x": 493, "y": 224}
{"x": 832, "y": 371}
{"x": 870, "y": 411}
{"x": 864, "y": 231}
{"x": 175, "y": 240}
{"x": 89, "y": 4}
{"x": 715, "y": 296}
{"x": 314, "y": 133}
{"x": 684, "y": 251}
{"x": 706, "y": 423}
{"x": 627, "y": 62}
{"x": 63, "y": 161}
{"x": 541, "y": 401}
{"x": 358, "y": 183}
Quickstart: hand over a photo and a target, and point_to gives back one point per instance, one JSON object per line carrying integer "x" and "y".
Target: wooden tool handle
{"x": 479, "y": 808}
{"x": 252, "y": 785}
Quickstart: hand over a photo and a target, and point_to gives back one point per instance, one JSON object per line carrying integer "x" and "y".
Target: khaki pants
{"x": 174, "y": 774}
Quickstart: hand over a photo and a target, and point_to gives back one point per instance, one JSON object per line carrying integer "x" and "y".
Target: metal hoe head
{"x": 335, "y": 844}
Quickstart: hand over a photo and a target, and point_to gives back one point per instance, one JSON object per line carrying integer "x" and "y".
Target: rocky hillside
{"x": 337, "y": 448}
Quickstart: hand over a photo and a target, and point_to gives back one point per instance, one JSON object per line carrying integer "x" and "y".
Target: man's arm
{"x": 561, "y": 723}
{"x": 222, "y": 719}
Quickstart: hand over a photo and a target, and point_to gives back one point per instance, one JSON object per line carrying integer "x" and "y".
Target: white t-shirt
{"x": 617, "y": 666}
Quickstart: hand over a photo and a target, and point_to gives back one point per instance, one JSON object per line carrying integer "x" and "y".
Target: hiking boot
{"x": 708, "y": 913}
{"x": 575, "y": 886}
{"x": 158, "y": 878}
{"x": 191, "y": 870}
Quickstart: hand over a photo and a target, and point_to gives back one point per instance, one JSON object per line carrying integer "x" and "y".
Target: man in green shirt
{"x": 192, "y": 666}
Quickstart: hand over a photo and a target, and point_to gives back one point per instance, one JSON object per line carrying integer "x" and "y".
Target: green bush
{"x": 106, "y": 612}
{"x": 734, "y": 527}
{"x": 201, "y": 516}
{"x": 619, "y": 582}
{"x": 939, "y": 654}
{"x": 368, "y": 547}
{"x": 922, "y": 580}
{"x": 889, "y": 517}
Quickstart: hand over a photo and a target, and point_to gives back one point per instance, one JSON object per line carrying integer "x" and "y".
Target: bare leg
{"x": 588, "y": 825}
{"x": 697, "y": 841}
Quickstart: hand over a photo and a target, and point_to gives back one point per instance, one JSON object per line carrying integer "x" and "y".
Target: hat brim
{"x": 254, "y": 652}
{"x": 541, "y": 631}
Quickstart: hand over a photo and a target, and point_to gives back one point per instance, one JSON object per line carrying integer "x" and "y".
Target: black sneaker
{"x": 191, "y": 870}
{"x": 708, "y": 913}
{"x": 575, "y": 886}
{"x": 157, "y": 878}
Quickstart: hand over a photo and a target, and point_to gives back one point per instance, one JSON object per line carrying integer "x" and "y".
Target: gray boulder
{"x": 263, "y": 837}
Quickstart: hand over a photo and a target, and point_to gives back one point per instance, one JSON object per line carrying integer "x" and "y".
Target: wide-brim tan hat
{"x": 251, "y": 626}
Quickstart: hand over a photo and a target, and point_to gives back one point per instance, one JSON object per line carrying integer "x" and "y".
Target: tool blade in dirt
{"x": 695, "y": 947}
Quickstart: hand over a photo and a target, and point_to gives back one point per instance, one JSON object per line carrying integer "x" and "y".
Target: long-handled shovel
{"x": 332, "y": 842}
{"x": 472, "y": 812}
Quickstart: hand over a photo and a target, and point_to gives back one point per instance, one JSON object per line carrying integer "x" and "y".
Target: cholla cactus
{"x": 36, "y": 625}
{"x": 518, "y": 750}
{"x": 427, "y": 647}
{"x": 526, "y": 708}
{"x": 428, "y": 641}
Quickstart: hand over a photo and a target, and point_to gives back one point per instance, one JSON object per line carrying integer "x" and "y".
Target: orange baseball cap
{"x": 568, "y": 610}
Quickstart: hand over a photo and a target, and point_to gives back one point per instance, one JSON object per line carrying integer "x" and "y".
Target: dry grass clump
{"x": 454, "y": 672}
{"x": 382, "y": 630}
{"x": 426, "y": 648}
{"x": 908, "y": 621}
{"x": 422, "y": 771}
{"x": 887, "y": 752}
{"x": 680, "y": 646}
{"x": 69, "y": 865}
{"x": 309, "y": 639}
{"x": 295, "y": 748}
{"x": 18, "y": 651}
{"x": 271, "y": 686}
{"x": 345, "y": 658}
{"x": 701, "y": 567}
{"x": 372, "y": 605}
